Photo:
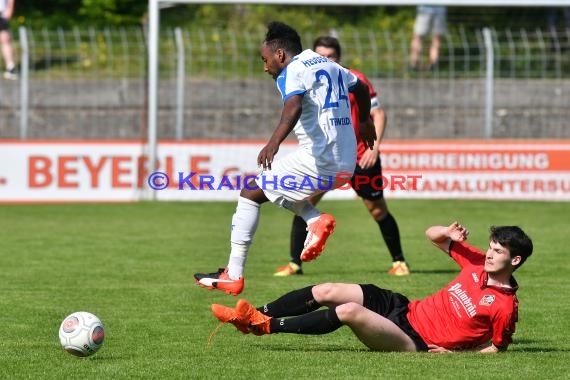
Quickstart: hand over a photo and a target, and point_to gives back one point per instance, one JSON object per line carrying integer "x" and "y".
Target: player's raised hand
{"x": 368, "y": 159}
{"x": 457, "y": 232}
{"x": 367, "y": 133}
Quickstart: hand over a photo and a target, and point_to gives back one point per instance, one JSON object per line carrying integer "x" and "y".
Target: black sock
{"x": 391, "y": 235}
{"x": 297, "y": 302}
{"x": 315, "y": 323}
{"x": 298, "y": 236}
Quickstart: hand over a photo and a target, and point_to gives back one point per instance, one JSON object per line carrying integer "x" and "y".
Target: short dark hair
{"x": 514, "y": 239}
{"x": 282, "y": 36}
{"x": 328, "y": 42}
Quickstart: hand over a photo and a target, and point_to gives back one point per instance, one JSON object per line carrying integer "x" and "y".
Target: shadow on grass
{"x": 539, "y": 349}
{"x": 338, "y": 272}
{"x": 316, "y": 348}
{"x": 532, "y": 345}
{"x": 327, "y": 348}
{"x": 434, "y": 271}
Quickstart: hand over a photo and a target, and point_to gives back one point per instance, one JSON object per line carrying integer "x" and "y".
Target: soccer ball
{"x": 81, "y": 334}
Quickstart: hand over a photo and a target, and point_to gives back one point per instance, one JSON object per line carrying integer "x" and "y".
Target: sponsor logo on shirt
{"x": 463, "y": 298}
{"x": 487, "y": 300}
{"x": 475, "y": 277}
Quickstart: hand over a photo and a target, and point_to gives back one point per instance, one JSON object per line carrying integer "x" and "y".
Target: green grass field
{"x": 132, "y": 265}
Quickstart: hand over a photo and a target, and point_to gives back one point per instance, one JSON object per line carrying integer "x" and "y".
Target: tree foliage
{"x": 113, "y": 12}
{"x": 68, "y": 13}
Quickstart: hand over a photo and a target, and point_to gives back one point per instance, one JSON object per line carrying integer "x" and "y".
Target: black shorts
{"x": 373, "y": 190}
{"x": 394, "y": 307}
{"x": 3, "y": 24}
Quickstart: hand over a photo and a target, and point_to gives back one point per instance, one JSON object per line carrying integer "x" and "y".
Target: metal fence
{"x": 91, "y": 83}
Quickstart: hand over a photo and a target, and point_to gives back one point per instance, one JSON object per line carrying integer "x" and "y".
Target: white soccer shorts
{"x": 295, "y": 177}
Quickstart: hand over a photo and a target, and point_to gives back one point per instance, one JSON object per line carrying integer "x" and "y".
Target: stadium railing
{"x": 91, "y": 84}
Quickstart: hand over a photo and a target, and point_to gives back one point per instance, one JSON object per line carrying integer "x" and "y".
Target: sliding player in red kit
{"x": 477, "y": 307}
{"x": 477, "y": 311}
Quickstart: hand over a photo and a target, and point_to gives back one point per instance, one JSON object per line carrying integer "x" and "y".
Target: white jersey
{"x": 324, "y": 128}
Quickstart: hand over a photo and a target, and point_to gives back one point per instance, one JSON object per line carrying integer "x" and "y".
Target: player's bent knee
{"x": 348, "y": 312}
{"x": 324, "y": 293}
{"x": 253, "y": 193}
{"x": 378, "y": 214}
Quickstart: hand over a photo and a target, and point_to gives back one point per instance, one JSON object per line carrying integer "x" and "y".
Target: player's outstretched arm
{"x": 370, "y": 156}
{"x": 366, "y": 126}
{"x": 290, "y": 114}
{"x": 442, "y": 236}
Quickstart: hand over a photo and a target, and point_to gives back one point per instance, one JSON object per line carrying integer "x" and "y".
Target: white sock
{"x": 311, "y": 215}
{"x": 304, "y": 209}
{"x": 244, "y": 224}
{"x": 236, "y": 263}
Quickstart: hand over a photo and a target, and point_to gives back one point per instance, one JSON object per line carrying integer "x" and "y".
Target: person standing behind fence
{"x": 552, "y": 17}
{"x": 6, "y": 11}
{"x": 429, "y": 18}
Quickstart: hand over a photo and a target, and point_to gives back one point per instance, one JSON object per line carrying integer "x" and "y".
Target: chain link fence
{"x": 91, "y": 84}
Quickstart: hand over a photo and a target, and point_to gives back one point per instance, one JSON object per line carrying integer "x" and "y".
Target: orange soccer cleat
{"x": 288, "y": 270}
{"x": 319, "y": 231}
{"x": 399, "y": 268}
{"x": 259, "y": 323}
{"x": 221, "y": 281}
{"x": 228, "y": 315}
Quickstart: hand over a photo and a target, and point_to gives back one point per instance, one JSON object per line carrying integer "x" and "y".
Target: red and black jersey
{"x": 361, "y": 148}
{"x": 467, "y": 312}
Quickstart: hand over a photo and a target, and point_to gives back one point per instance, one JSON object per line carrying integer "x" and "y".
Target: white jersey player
{"x": 323, "y": 127}
{"x": 317, "y": 108}
{"x": 327, "y": 145}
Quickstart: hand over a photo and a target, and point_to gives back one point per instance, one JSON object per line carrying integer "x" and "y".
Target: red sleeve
{"x": 355, "y": 112}
{"x": 363, "y": 78}
{"x": 465, "y": 254}
{"x": 504, "y": 325}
